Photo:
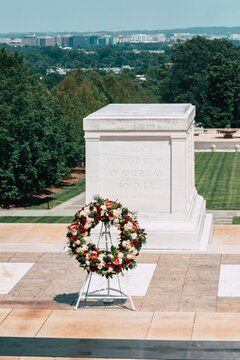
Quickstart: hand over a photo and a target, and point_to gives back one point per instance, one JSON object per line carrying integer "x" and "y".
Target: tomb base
{"x": 177, "y": 232}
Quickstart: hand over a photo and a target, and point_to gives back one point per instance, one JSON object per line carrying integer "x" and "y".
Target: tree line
{"x": 41, "y": 117}
{"x": 41, "y": 128}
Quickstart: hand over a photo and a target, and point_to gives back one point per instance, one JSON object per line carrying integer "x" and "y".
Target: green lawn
{"x": 60, "y": 197}
{"x": 217, "y": 177}
{"x": 236, "y": 220}
{"x": 37, "y": 219}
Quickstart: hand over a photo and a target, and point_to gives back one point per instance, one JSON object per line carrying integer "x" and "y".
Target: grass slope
{"x": 217, "y": 177}
{"x": 236, "y": 220}
{"x": 61, "y": 196}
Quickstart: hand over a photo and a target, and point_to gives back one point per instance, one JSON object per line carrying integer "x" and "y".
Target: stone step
{"x": 222, "y": 220}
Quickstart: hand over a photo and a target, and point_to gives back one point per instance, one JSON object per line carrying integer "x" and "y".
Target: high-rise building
{"x": 93, "y": 39}
{"x": 30, "y": 41}
{"x": 65, "y": 41}
{"x": 77, "y": 41}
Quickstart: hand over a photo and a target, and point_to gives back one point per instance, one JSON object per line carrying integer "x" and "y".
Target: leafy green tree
{"x": 158, "y": 78}
{"x": 190, "y": 71}
{"x": 223, "y": 82}
{"x": 52, "y": 80}
{"x": 79, "y": 97}
{"x": 32, "y": 142}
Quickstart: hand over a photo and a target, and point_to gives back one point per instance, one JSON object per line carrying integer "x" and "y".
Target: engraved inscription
{"x": 134, "y": 172}
{"x": 137, "y": 172}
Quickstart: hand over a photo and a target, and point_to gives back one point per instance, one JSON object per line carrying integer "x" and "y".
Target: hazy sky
{"x": 113, "y": 15}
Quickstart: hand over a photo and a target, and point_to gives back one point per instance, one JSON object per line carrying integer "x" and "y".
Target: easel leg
{"x": 81, "y": 292}
{"x": 133, "y": 307}
{"x": 108, "y": 300}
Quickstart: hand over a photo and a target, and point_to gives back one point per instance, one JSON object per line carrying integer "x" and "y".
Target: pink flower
{"x": 109, "y": 203}
{"x": 94, "y": 256}
{"x": 74, "y": 226}
{"x": 116, "y": 262}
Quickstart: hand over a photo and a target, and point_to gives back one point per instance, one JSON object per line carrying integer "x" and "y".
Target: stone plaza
{"x": 186, "y": 287}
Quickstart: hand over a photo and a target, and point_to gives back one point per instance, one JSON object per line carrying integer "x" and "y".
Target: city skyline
{"x": 111, "y": 15}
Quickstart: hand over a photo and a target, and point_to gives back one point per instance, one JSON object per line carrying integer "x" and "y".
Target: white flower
{"x": 134, "y": 236}
{"x": 133, "y": 251}
{"x": 87, "y": 263}
{"x": 77, "y": 242}
{"x": 117, "y": 213}
{"x": 100, "y": 265}
{"x": 126, "y": 244}
{"x": 110, "y": 269}
{"x": 101, "y": 256}
{"x": 120, "y": 255}
{"x": 116, "y": 223}
{"x": 103, "y": 207}
{"x": 88, "y": 240}
{"x": 128, "y": 226}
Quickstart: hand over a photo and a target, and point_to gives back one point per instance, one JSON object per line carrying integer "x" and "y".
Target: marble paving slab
{"x": 11, "y": 273}
{"x": 134, "y": 282}
{"x": 229, "y": 281}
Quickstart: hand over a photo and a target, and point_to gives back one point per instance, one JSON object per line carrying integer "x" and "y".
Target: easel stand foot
{"x": 104, "y": 293}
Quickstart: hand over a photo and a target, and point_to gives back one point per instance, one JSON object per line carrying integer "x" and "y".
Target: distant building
{"x": 30, "y": 41}
{"x": 235, "y": 37}
{"x": 65, "y": 41}
{"x": 60, "y": 71}
{"x": 104, "y": 40}
{"x": 58, "y": 40}
{"x": 10, "y": 41}
{"x": 93, "y": 39}
{"x": 47, "y": 41}
{"x": 77, "y": 41}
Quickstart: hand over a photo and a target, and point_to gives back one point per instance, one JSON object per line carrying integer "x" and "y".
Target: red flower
{"x": 94, "y": 256}
{"x": 136, "y": 242}
{"x": 109, "y": 203}
{"x": 134, "y": 226}
{"x": 81, "y": 228}
{"x": 74, "y": 226}
{"x": 126, "y": 219}
{"x": 98, "y": 217}
{"x": 84, "y": 219}
{"x": 110, "y": 213}
{"x": 128, "y": 261}
{"x": 116, "y": 262}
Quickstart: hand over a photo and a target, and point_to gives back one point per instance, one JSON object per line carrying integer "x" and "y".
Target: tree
{"x": 190, "y": 72}
{"x": 223, "y": 82}
{"x": 32, "y": 140}
{"x": 79, "y": 97}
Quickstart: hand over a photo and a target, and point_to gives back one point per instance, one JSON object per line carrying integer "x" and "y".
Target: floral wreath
{"x": 103, "y": 262}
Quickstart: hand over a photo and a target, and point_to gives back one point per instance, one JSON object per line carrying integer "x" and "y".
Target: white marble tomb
{"x": 143, "y": 156}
